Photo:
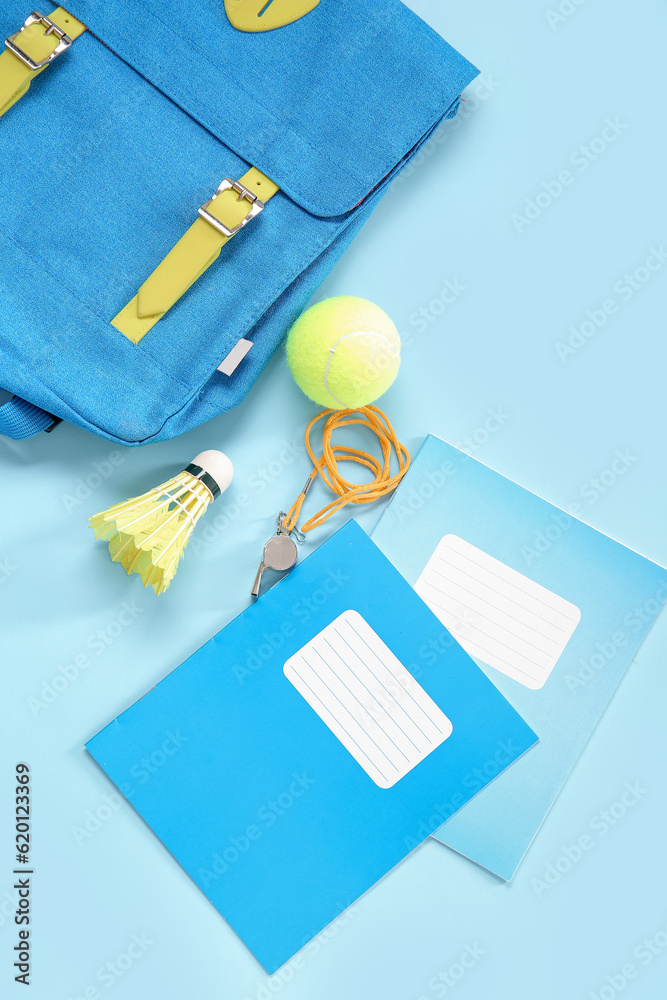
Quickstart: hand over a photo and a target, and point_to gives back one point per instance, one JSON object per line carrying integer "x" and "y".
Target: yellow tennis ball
{"x": 344, "y": 352}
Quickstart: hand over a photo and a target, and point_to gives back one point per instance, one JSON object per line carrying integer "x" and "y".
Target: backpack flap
{"x": 326, "y": 106}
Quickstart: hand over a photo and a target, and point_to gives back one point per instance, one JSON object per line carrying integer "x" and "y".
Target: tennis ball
{"x": 344, "y": 352}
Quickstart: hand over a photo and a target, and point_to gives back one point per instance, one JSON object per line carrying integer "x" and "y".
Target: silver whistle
{"x": 280, "y": 553}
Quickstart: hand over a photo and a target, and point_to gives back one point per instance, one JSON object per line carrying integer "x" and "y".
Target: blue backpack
{"x": 177, "y": 180}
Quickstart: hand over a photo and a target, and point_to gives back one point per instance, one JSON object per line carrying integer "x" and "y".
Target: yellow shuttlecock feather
{"x": 148, "y": 534}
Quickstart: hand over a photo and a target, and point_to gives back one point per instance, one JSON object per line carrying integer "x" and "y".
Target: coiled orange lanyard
{"x": 280, "y": 552}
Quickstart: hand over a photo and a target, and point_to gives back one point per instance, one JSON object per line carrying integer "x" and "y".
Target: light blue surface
{"x": 255, "y": 754}
{"x": 616, "y": 592}
{"x": 494, "y": 346}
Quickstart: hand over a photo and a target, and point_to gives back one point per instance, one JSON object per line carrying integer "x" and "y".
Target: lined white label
{"x": 498, "y": 615}
{"x": 367, "y": 698}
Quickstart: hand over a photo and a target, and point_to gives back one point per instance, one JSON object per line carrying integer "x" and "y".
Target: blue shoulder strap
{"x": 20, "y": 419}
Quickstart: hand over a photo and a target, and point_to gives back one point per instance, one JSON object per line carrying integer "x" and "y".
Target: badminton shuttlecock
{"x": 148, "y": 534}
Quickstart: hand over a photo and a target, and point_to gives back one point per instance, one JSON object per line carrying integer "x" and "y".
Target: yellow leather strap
{"x": 258, "y": 15}
{"x": 197, "y": 249}
{"x": 16, "y": 74}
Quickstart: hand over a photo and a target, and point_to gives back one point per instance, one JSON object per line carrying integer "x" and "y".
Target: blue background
{"x": 549, "y": 89}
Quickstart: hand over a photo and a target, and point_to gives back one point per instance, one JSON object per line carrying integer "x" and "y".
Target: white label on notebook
{"x": 367, "y": 698}
{"x": 498, "y": 615}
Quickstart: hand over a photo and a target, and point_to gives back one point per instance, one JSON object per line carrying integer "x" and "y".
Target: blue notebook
{"x": 320, "y": 736}
{"x": 551, "y": 609}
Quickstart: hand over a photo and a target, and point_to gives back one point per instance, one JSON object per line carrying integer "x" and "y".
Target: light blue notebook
{"x": 320, "y": 734}
{"x": 551, "y": 609}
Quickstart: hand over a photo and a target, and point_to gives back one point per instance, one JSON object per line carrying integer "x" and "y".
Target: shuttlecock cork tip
{"x": 218, "y": 466}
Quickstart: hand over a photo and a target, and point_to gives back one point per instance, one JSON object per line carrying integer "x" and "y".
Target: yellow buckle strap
{"x": 230, "y": 208}
{"x": 30, "y": 50}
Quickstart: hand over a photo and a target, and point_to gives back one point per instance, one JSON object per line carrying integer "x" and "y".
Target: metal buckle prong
{"x": 243, "y": 193}
{"x": 64, "y": 41}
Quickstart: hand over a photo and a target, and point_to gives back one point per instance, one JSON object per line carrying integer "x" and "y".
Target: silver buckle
{"x": 64, "y": 41}
{"x": 229, "y": 185}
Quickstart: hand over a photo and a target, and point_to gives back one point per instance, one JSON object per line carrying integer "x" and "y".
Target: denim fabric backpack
{"x": 177, "y": 179}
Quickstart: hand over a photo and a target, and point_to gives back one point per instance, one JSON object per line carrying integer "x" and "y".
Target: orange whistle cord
{"x": 327, "y": 466}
